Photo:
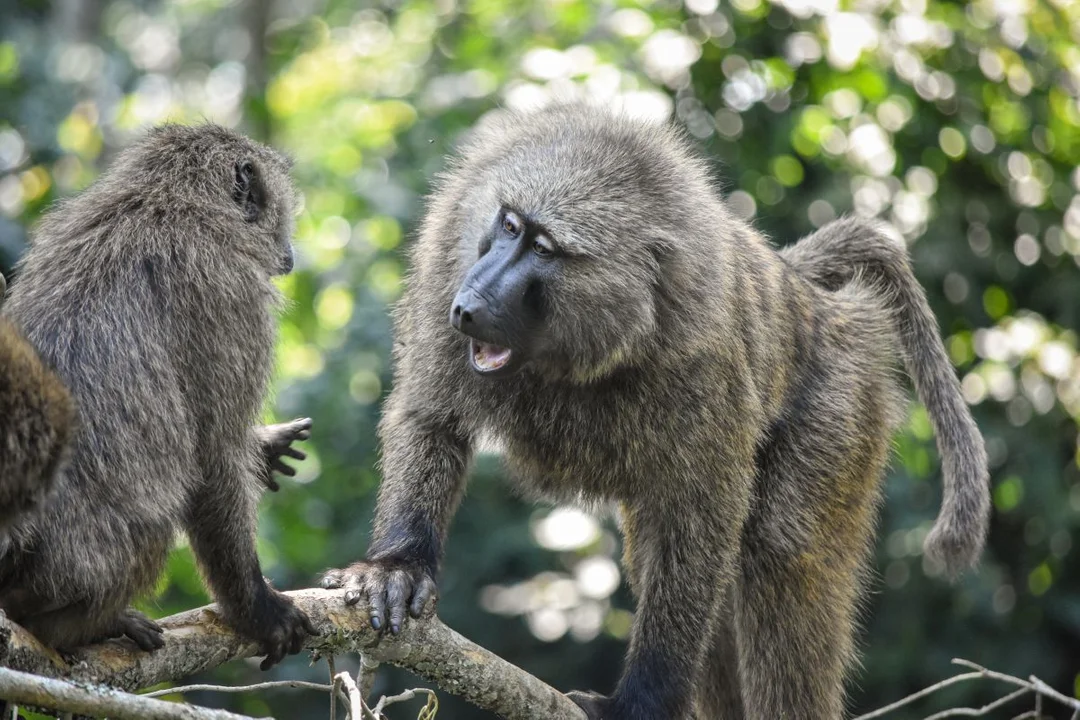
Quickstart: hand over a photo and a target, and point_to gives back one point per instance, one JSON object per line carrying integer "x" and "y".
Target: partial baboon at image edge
{"x": 37, "y": 417}
{"x": 580, "y": 293}
{"x": 150, "y": 297}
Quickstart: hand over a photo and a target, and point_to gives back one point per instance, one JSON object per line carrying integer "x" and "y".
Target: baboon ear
{"x": 248, "y": 190}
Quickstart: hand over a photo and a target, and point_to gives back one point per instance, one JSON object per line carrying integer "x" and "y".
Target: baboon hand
{"x": 277, "y": 625}
{"x": 389, "y": 587}
{"x": 595, "y": 705}
{"x": 146, "y": 633}
{"x": 277, "y": 442}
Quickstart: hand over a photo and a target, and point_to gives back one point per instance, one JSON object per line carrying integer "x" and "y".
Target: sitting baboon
{"x": 150, "y": 295}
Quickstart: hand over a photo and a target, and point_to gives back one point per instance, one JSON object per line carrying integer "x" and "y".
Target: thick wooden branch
{"x": 198, "y": 640}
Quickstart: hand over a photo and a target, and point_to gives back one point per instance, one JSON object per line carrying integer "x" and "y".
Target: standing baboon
{"x": 580, "y": 292}
{"x": 36, "y": 419}
{"x": 151, "y": 296}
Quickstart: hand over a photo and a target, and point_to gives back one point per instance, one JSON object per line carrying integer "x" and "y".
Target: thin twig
{"x": 365, "y": 676}
{"x": 979, "y": 712}
{"x": 1044, "y": 689}
{"x": 333, "y": 693}
{"x": 357, "y": 709}
{"x": 1032, "y": 685}
{"x": 921, "y": 694}
{"x": 405, "y": 697}
{"x": 241, "y": 688}
{"x": 20, "y": 688}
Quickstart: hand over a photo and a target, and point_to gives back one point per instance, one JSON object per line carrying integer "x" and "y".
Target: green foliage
{"x": 958, "y": 123}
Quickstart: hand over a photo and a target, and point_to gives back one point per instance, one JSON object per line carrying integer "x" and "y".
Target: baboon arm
{"x": 424, "y": 465}
{"x": 221, "y": 528}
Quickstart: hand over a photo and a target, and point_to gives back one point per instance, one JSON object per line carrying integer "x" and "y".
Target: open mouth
{"x": 487, "y": 358}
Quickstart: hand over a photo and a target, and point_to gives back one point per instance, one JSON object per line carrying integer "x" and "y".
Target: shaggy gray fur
{"x": 150, "y": 294}
{"x": 737, "y": 403}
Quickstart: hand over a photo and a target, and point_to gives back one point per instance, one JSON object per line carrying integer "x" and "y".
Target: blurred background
{"x": 956, "y": 122}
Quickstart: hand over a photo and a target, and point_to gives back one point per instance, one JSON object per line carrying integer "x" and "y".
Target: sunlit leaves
{"x": 956, "y": 123}
{"x": 80, "y": 134}
{"x": 9, "y": 62}
{"x": 1008, "y": 493}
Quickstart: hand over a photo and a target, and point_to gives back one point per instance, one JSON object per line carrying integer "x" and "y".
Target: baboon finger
{"x": 423, "y": 592}
{"x": 282, "y": 468}
{"x": 294, "y": 453}
{"x": 143, "y": 631}
{"x": 397, "y": 593}
{"x": 155, "y": 641}
{"x": 273, "y": 656}
{"x": 332, "y": 580}
{"x": 377, "y": 603}
{"x": 296, "y": 642}
{"x": 146, "y": 638}
{"x": 274, "y": 648}
{"x": 270, "y": 483}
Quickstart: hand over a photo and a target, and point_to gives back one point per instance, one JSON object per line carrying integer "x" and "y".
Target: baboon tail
{"x": 831, "y": 257}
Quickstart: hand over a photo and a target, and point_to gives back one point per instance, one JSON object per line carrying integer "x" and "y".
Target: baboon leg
{"x": 795, "y": 615}
{"x": 69, "y": 626}
{"x": 718, "y": 695}
{"x": 19, "y": 602}
{"x": 77, "y": 625}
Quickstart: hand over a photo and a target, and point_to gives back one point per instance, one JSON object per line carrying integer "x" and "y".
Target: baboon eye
{"x": 543, "y": 247}
{"x": 511, "y": 225}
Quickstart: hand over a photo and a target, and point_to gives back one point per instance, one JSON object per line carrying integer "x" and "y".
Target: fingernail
{"x": 395, "y": 628}
{"x": 376, "y": 623}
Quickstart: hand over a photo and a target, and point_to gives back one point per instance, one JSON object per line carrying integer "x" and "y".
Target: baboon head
{"x": 240, "y": 186}
{"x": 565, "y": 235}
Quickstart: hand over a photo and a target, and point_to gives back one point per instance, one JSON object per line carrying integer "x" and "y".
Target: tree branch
{"x": 198, "y": 640}
{"x": 1031, "y": 685}
{"x": 98, "y": 701}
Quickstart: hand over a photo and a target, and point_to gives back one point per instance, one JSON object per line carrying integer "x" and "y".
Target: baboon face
{"x": 559, "y": 279}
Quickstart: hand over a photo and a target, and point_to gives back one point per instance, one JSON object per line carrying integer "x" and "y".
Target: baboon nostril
{"x": 466, "y": 316}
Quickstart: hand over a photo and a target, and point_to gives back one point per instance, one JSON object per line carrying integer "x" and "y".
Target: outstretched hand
{"x": 277, "y": 443}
